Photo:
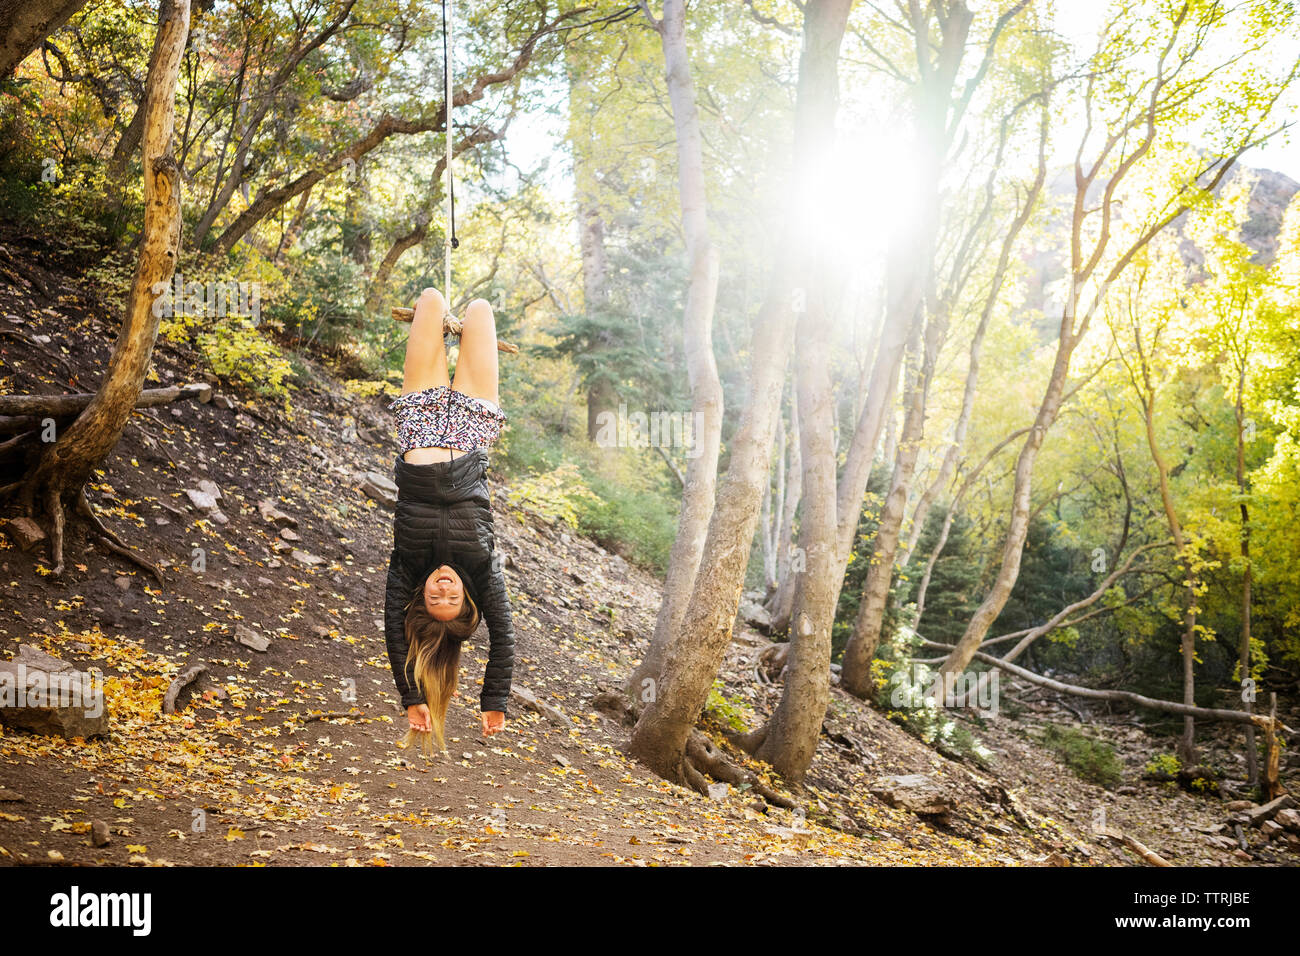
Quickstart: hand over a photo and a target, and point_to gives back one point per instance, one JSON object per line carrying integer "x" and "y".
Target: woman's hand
{"x": 418, "y": 716}
{"x": 494, "y": 721}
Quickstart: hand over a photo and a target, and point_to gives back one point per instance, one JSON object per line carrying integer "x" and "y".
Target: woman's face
{"x": 444, "y": 594}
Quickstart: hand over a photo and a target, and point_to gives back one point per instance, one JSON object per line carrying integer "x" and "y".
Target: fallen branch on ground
{"x": 1151, "y": 703}
{"x": 64, "y": 405}
{"x": 183, "y": 680}
{"x": 1145, "y": 852}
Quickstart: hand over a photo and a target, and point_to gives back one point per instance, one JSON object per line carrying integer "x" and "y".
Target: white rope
{"x": 446, "y": 269}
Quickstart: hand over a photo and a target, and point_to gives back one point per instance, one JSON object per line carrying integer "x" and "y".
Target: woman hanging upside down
{"x": 442, "y": 578}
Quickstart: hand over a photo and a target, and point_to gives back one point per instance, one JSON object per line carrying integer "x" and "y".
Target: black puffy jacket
{"x": 444, "y": 516}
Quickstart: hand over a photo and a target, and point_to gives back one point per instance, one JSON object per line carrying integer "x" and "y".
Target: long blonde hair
{"x": 433, "y": 661}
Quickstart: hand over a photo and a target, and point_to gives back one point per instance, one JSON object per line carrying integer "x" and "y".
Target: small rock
{"x": 273, "y": 563}
{"x": 288, "y": 534}
{"x": 564, "y": 538}
{"x": 917, "y": 792}
{"x": 1237, "y": 805}
{"x": 1258, "y": 815}
{"x": 201, "y": 500}
{"x": 530, "y": 701}
{"x": 25, "y": 533}
{"x": 123, "y": 583}
{"x": 251, "y": 639}
{"x": 41, "y": 339}
{"x": 265, "y": 582}
{"x": 563, "y": 761}
{"x": 755, "y": 615}
{"x": 219, "y": 517}
{"x": 99, "y": 834}
{"x": 161, "y": 522}
{"x": 307, "y": 558}
{"x": 11, "y": 796}
{"x": 209, "y": 487}
{"x": 1290, "y": 819}
{"x": 36, "y": 659}
{"x": 205, "y": 392}
{"x": 177, "y": 413}
{"x": 222, "y": 402}
{"x": 1126, "y": 791}
{"x": 274, "y": 515}
{"x": 380, "y": 487}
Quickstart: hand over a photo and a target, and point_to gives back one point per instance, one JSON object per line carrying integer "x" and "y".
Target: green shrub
{"x": 1163, "y": 767}
{"x": 555, "y": 494}
{"x": 1092, "y": 760}
{"x": 724, "y": 709}
{"x": 633, "y": 521}
{"x": 241, "y": 355}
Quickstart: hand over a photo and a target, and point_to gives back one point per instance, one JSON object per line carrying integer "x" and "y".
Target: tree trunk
{"x": 790, "y": 737}
{"x": 289, "y": 237}
{"x": 1243, "y": 488}
{"x": 861, "y": 648}
{"x": 1018, "y": 525}
{"x": 660, "y": 736}
{"x": 379, "y": 284}
{"x": 601, "y": 395}
{"x": 697, "y": 339}
{"x": 773, "y": 507}
{"x": 62, "y": 470}
{"x": 1187, "y": 743}
{"x": 24, "y": 25}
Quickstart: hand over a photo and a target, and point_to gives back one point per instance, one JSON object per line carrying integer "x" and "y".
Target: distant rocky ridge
{"x": 1270, "y": 195}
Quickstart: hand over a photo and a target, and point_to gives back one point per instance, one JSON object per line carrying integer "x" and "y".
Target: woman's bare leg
{"x": 426, "y": 355}
{"x": 426, "y": 361}
{"x": 477, "y": 374}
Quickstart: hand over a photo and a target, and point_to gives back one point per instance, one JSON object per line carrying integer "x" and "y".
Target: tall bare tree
{"x": 697, "y": 338}
{"x": 662, "y": 732}
{"x": 1132, "y": 110}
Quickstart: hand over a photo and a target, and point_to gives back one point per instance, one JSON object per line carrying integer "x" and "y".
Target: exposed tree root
{"x": 112, "y": 542}
{"x": 54, "y": 508}
{"x": 703, "y": 757}
{"x": 11, "y": 443}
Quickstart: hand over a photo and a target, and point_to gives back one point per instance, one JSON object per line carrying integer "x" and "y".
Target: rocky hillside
{"x": 273, "y": 533}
